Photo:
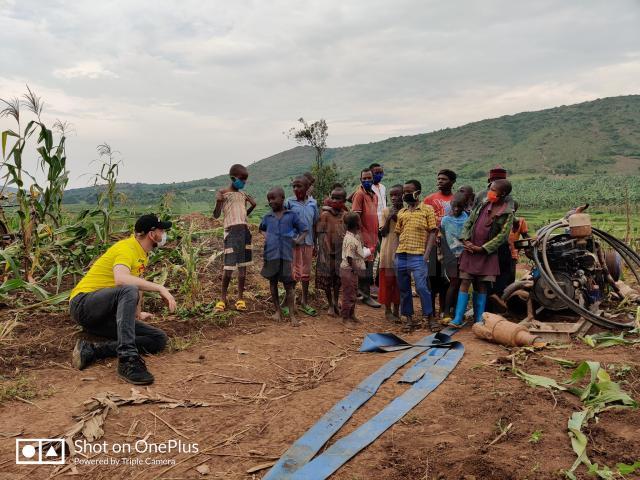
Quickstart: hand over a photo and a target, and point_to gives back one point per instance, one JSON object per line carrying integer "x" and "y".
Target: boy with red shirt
{"x": 440, "y": 201}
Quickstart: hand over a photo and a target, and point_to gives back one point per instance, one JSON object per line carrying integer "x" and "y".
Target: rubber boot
{"x": 461, "y": 308}
{"x": 479, "y": 305}
{"x": 474, "y": 303}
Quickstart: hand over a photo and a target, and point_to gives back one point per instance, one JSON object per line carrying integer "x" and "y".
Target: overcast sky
{"x": 184, "y": 89}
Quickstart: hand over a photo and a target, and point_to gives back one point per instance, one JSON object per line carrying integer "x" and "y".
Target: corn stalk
{"x": 109, "y": 169}
{"x": 190, "y": 255}
{"x": 36, "y": 204}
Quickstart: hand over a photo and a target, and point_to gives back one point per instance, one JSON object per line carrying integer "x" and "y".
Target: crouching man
{"x": 107, "y": 303}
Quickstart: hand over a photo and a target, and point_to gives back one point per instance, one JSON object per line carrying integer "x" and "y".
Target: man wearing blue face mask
{"x": 365, "y": 204}
{"x": 378, "y": 188}
{"x": 107, "y": 303}
{"x": 381, "y": 192}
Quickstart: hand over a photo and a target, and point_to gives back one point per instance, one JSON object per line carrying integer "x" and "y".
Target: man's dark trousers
{"x": 111, "y": 313}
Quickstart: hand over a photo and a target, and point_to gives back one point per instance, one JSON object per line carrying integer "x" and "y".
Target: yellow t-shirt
{"x": 127, "y": 252}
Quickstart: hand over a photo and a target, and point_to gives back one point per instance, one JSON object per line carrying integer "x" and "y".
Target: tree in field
{"x": 315, "y": 135}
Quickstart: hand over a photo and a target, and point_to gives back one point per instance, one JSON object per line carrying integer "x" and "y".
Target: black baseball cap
{"x": 149, "y": 222}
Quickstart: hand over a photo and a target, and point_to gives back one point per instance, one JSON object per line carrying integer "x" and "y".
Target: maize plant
{"x": 110, "y": 166}
{"x": 36, "y": 204}
{"x": 190, "y": 256}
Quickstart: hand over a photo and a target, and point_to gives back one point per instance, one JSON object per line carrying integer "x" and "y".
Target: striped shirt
{"x": 413, "y": 227}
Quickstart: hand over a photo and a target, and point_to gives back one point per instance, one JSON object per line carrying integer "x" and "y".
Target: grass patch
{"x": 205, "y": 312}
{"x": 6, "y": 329}
{"x": 535, "y": 437}
{"x": 178, "y": 344}
{"x": 20, "y": 387}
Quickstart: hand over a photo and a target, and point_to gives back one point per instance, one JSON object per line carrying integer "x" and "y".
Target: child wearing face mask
{"x": 485, "y": 231}
{"x": 330, "y": 232}
{"x": 232, "y": 203}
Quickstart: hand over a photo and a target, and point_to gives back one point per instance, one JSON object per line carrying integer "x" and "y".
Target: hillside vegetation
{"x": 557, "y": 157}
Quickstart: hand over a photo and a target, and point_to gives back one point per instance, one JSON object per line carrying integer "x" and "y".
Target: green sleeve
{"x": 492, "y": 245}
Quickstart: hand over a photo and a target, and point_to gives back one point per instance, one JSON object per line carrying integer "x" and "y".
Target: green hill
{"x": 557, "y": 157}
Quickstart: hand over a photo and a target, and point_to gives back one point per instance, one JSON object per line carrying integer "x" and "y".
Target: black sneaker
{"x": 83, "y": 355}
{"x": 134, "y": 370}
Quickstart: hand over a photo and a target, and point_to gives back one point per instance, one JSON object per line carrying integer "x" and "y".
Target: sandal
{"x": 433, "y": 324}
{"x": 241, "y": 305}
{"x": 455, "y": 325}
{"x": 309, "y": 310}
{"x": 220, "y": 307}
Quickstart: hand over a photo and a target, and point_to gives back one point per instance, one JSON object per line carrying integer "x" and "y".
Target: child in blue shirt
{"x": 452, "y": 248}
{"x": 303, "y": 252}
{"x": 282, "y": 228}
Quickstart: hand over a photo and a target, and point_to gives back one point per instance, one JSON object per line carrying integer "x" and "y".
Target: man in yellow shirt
{"x": 416, "y": 229}
{"x": 107, "y": 302}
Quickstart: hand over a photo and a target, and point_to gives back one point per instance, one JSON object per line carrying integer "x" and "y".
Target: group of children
{"x": 445, "y": 244}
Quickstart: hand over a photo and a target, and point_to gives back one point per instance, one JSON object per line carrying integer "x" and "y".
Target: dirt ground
{"x": 267, "y": 383}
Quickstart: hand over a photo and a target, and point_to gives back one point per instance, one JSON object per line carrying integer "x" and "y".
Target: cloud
{"x": 215, "y": 83}
{"x": 89, "y": 69}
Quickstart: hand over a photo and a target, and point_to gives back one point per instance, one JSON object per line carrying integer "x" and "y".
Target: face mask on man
{"x": 162, "y": 242}
{"x": 237, "y": 183}
{"x": 410, "y": 197}
{"x": 377, "y": 177}
{"x": 367, "y": 184}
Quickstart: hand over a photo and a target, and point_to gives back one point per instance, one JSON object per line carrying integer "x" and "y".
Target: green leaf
{"x": 27, "y": 131}
{"x": 6, "y": 134}
{"x": 607, "y": 339}
{"x": 625, "y": 469}
{"x": 562, "y": 361}
{"x": 579, "y": 439}
{"x": 52, "y": 300}
{"x": 538, "y": 380}
{"x": 12, "y": 264}
{"x": 17, "y": 284}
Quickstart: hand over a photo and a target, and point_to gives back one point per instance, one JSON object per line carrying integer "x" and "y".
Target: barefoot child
{"x": 330, "y": 235}
{"x": 232, "y": 203}
{"x": 281, "y": 228}
{"x": 307, "y": 209}
{"x": 389, "y": 293}
{"x": 485, "y": 231}
{"x": 452, "y": 247}
{"x": 352, "y": 267}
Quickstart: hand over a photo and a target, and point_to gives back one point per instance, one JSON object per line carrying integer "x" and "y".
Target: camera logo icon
{"x": 40, "y": 451}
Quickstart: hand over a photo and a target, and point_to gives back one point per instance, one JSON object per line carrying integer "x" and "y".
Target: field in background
{"x": 605, "y": 218}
